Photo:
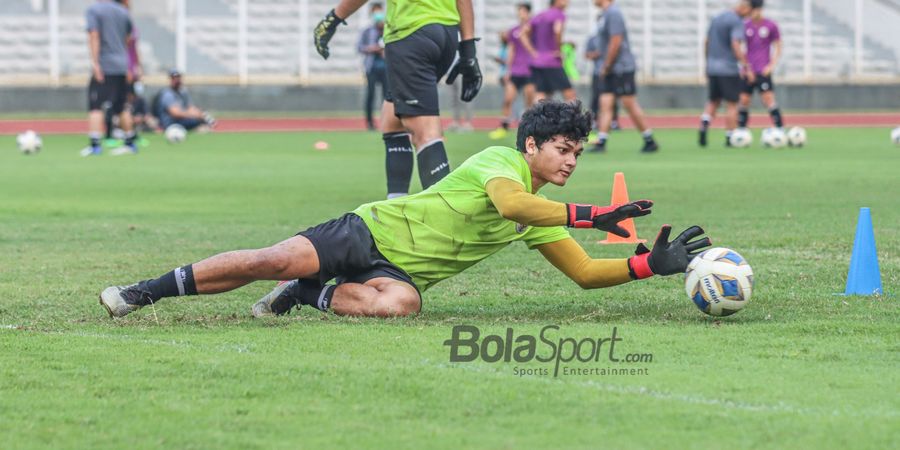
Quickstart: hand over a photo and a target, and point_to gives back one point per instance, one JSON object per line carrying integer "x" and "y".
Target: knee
{"x": 406, "y": 304}
{"x": 268, "y": 261}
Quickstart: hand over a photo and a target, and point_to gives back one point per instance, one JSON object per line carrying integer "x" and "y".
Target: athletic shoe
{"x": 702, "y": 139}
{"x": 650, "y": 147}
{"x": 90, "y": 151}
{"x": 499, "y": 133}
{"x": 728, "y": 141}
{"x": 593, "y": 137}
{"x": 599, "y": 147}
{"x": 120, "y": 301}
{"x": 284, "y": 297}
{"x": 123, "y": 150}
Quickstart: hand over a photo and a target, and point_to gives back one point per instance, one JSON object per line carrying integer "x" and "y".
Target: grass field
{"x": 798, "y": 368}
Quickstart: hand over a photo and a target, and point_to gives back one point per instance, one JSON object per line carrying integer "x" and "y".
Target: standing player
{"x": 518, "y": 76}
{"x": 726, "y": 65}
{"x": 594, "y": 50}
{"x": 618, "y": 78}
{"x": 421, "y": 41}
{"x": 383, "y": 255}
{"x": 762, "y": 37}
{"x": 371, "y": 46}
{"x": 109, "y": 29}
{"x": 542, "y": 39}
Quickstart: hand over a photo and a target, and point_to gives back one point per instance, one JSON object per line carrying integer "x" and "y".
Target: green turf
{"x": 799, "y": 368}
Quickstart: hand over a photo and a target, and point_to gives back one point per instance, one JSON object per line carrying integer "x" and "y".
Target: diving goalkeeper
{"x": 384, "y": 255}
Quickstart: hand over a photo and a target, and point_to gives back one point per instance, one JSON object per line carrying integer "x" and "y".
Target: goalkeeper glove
{"x": 606, "y": 218}
{"x": 324, "y": 31}
{"x": 467, "y": 66}
{"x": 667, "y": 258}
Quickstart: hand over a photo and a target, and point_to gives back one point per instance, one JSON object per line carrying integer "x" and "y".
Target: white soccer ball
{"x": 719, "y": 281}
{"x": 774, "y": 138}
{"x": 741, "y": 138}
{"x": 175, "y": 133}
{"x": 29, "y": 142}
{"x": 796, "y": 137}
{"x": 895, "y": 136}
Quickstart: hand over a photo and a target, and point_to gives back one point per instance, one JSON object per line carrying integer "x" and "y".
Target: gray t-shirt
{"x": 720, "y": 59}
{"x": 169, "y": 97}
{"x": 595, "y": 43}
{"x": 614, "y": 25}
{"x": 111, "y": 20}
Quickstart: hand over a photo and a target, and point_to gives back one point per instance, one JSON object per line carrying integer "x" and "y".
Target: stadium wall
{"x": 345, "y": 98}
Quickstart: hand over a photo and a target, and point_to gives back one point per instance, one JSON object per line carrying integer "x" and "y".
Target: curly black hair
{"x": 549, "y": 118}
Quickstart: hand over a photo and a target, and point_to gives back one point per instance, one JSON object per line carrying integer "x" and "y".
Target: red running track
{"x": 682, "y": 121}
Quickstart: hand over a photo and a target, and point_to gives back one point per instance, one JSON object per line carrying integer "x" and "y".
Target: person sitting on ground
{"x": 175, "y": 106}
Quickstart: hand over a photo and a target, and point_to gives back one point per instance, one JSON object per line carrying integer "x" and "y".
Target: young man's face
{"x": 561, "y": 4}
{"x": 743, "y": 8}
{"x": 524, "y": 14}
{"x": 756, "y": 13}
{"x": 554, "y": 162}
{"x": 602, "y": 4}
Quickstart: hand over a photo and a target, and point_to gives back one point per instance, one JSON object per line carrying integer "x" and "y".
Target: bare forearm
{"x": 466, "y": 19}
{"x": 346, "y": 8}
{"x": 94, "y": 46}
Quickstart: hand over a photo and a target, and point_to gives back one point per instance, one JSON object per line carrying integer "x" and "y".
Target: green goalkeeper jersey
{"x": 406, "y": 16}
{"x": 452, "y": 225}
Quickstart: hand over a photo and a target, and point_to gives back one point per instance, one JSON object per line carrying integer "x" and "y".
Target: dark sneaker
{"x": 284, "y": 297}
{"x": 650, "y": 147}
{"x": 599, "y": 147}
{"x": 702, "y": 139}
{"x": 120, "y": 301}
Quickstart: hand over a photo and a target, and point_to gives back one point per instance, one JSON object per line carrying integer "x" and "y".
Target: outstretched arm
{"x": 346, "y": 8}
{"x": 513, "y": 203}
{"x": 567, "y": 256}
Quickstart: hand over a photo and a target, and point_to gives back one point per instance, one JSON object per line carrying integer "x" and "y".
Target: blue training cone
{"x": 864, "y": 277}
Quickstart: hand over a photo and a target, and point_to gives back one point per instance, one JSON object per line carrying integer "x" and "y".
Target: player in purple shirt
{"x": 518, "y": 71}
{"x": 763, "y": 53}
{"x": 542, "y": 38}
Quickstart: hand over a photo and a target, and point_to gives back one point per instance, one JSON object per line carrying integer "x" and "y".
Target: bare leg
{"x": 634, "y": 111}
{"x": 711, "y": 107}
{"x": 530, "y": 94}
{"x": 569, "y": 95}
{"x": 378, "y": 297}
{"x": 389, "y": 122}
{"x": 768, "y": 99}
{"x": 730, "y": 115}
{"x": 607, "y": 100}
{"x": 290, "y": 259}
{"x": 538, "y": 96}
{"x": 424, "y": 129}
{"x": 509, "y": 95}
{"x": 95, "y": 122}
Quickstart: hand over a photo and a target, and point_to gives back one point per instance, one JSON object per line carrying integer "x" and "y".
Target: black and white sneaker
{"x": 284, "y": 297}
{"x": 650, "y": 147}
{"x": 702, "y": 138}
{"x": 120, "y": 301}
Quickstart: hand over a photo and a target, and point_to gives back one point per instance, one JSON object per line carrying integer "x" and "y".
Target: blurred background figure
{"x": 517, "y": 77}
{"x": 462, "y": 111}
{"x": 593, "y": 51}
{"x": 763, "y": 54}
{"x": 543, "y": 40}
{"x": 371, "y": 46}
{"x": 174, "y": 105}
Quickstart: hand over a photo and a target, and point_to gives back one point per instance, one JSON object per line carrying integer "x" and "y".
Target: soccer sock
{"x": 315, "y": 295}
{"x": 704, "y": 122}
{"x": 504, "y": 124}
{"x": 95, "y": 140}
{"x": 129, "y": 138}
{"x": 648, "y": 135}
{"x": 775, "y": 113}
{"x": 601, "y": 138}
{"x": 433, "y": 163}
{"x": 743, "y": 117}
{"x": 398, "y": 163}
{"x": 173, "y": 284}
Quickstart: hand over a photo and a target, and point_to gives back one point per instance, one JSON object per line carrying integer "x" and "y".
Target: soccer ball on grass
{"x": 796, "y": 137}
{"x": 175, "y": 133}
{"x": 774, "y": 138}
{"x": 741, "y": 138}
{"x": 719, "y": 281}
{"x": 29, "y": 142}
{"x": 895, "y": 136}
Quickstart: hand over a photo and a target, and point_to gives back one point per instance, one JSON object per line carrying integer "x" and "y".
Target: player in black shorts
{"x": 421, "y": 43}
{"x": 109, "y": 29}
{"x": 763, "y": 37}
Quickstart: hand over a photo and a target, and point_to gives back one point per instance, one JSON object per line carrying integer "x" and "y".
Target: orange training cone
{"x": 620, "y": 197}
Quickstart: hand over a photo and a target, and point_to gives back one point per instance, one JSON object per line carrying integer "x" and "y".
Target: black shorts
{"x": 763, "y": 84}
{"x": 109, "y": 94}
{"x": 348, "y": 253}
{"x": 550, "y": 80}
{"x": 619, "y": 84}
{"x": 415, "y": 64}
{"x": 519, "y": 81}
{"x": 725, "y": 87}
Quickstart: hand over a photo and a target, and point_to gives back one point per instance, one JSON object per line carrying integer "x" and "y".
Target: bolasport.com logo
{"x": 550, "y": 352}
